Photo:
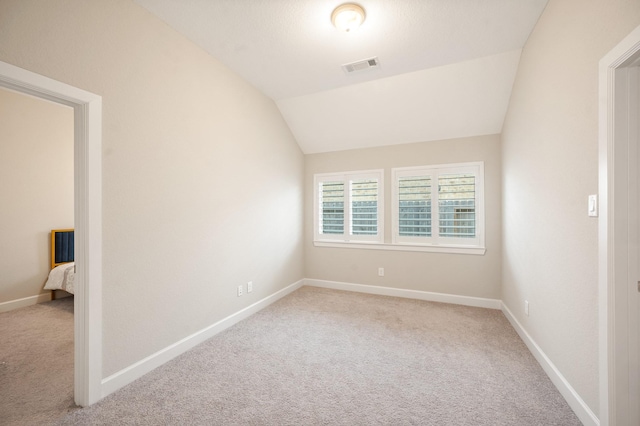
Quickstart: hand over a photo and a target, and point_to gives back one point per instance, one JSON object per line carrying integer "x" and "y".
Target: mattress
{"x": 61, "y": 277}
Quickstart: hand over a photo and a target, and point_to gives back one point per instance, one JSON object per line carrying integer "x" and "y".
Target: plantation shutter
{"x": 364, "y": 207}
{"x": 414, "y": 206}
{"x": 332, "y": 207}
{"x": 457, "y": 205}
{"x": 349, "y": 207}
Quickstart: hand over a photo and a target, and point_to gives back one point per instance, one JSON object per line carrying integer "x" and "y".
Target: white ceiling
{"x": 446, "y": 66}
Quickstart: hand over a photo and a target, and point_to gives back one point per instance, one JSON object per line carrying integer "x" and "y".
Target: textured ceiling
{"x": 290, "y": 51}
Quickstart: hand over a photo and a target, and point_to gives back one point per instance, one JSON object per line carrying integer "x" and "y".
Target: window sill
{"x": 479, "y": 251}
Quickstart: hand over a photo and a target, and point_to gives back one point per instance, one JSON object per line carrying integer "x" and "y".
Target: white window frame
{"x": 348, "y": 178}
{"x": 436, "y": 242}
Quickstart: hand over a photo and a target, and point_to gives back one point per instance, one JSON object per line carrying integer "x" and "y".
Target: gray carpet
{"x": 36, "y": 363}
{"x": 326, "y": 357}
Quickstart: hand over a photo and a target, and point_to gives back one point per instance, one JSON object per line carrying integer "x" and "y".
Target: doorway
{"x": 88, "y": 220}
{"x": 619, "y": 229}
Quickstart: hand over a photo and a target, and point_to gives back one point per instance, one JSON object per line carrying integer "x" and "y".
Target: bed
{"x": 62, "y": 274}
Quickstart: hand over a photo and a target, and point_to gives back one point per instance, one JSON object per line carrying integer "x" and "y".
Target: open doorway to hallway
{"x": 87, "y": 113}
{"x": 37, "y": 185}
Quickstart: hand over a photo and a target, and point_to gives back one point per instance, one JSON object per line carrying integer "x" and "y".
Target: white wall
{"x": 459, "y": 274}
{"x": 36, "y": 189}
{"x": 550, "y": 163}
{"x": 202, "y": 180}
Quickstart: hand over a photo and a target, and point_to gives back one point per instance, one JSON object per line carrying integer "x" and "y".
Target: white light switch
{"x": 593, "y": 205}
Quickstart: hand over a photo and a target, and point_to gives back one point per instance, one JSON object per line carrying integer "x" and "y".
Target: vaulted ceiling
{"x": 446, "y": 66}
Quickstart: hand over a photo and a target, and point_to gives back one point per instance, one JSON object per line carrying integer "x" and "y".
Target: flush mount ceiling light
{"x": 347, "y": 17}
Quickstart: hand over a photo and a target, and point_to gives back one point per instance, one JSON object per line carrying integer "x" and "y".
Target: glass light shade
{"x": 348, "y": 17}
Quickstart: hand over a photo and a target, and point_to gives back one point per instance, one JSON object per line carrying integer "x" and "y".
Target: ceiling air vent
{"x": 361, "y": 65}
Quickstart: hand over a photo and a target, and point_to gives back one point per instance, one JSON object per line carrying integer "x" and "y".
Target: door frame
{"x": 87, "y": 220}
{"x": 619, "y": 100}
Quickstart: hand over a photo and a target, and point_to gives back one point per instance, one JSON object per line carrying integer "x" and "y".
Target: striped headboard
{"x": 61, "y": 246}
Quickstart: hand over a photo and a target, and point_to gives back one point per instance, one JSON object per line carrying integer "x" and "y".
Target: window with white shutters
{"x": 364, "y": 207}
{"x": 439, "y": 206}
{"x": 332, "y": 206}
{"x": 414, "y": 206}
{"x": 436, "y": 208}
{"x": 457, "y": 205}
{"x": 349, "y": 207}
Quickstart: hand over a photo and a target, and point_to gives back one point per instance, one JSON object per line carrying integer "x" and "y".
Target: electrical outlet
{"x": 239, "y": 290}
{"x": 526, "y": 307}
{"x": 381, "y": 272}
{"x": 249, "y": 286}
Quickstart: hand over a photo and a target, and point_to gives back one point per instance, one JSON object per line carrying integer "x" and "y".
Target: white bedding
{"x": 61, "y": 277}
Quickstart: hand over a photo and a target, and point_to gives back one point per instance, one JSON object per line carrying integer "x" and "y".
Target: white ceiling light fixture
{"x": 348, "y": 17}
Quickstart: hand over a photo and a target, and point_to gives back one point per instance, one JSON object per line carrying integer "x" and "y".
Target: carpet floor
{"x": 36, "y": 363}
{"x": 327, "y": 357}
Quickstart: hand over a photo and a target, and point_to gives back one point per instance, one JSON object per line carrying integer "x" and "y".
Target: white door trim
{"x": 88, "y": 220}
{"x": 616, "y": 106}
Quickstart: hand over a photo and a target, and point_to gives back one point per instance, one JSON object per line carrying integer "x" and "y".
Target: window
{"x": 348, "y": 207}
{"x": 436, "y": 208}
{"x": 456, "y": 191}
{"x": 414, "y": 200}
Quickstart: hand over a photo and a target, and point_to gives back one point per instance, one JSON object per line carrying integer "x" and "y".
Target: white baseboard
{"x": 25, "y": 301}
{"x": 408, "y": 294}
{"x": 142, "y": 367}
{"x": 577, "y": 404}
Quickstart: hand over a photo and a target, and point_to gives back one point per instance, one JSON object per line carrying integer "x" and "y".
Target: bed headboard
{"x": 61, "y": 246}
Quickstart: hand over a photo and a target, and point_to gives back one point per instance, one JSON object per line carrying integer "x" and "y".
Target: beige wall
{"x": 202, "y": 179}
{"x": 550, "y": 162}
{"x": 203, "y": 183}
{"x": 36, "y": 189}
{"x": 460, "y": 274}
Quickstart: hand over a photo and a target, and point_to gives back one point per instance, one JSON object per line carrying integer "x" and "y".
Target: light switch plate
{"x": 593, "y": 206}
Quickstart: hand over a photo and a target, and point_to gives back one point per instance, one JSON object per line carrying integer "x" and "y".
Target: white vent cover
{"x": 357, "y": 66}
